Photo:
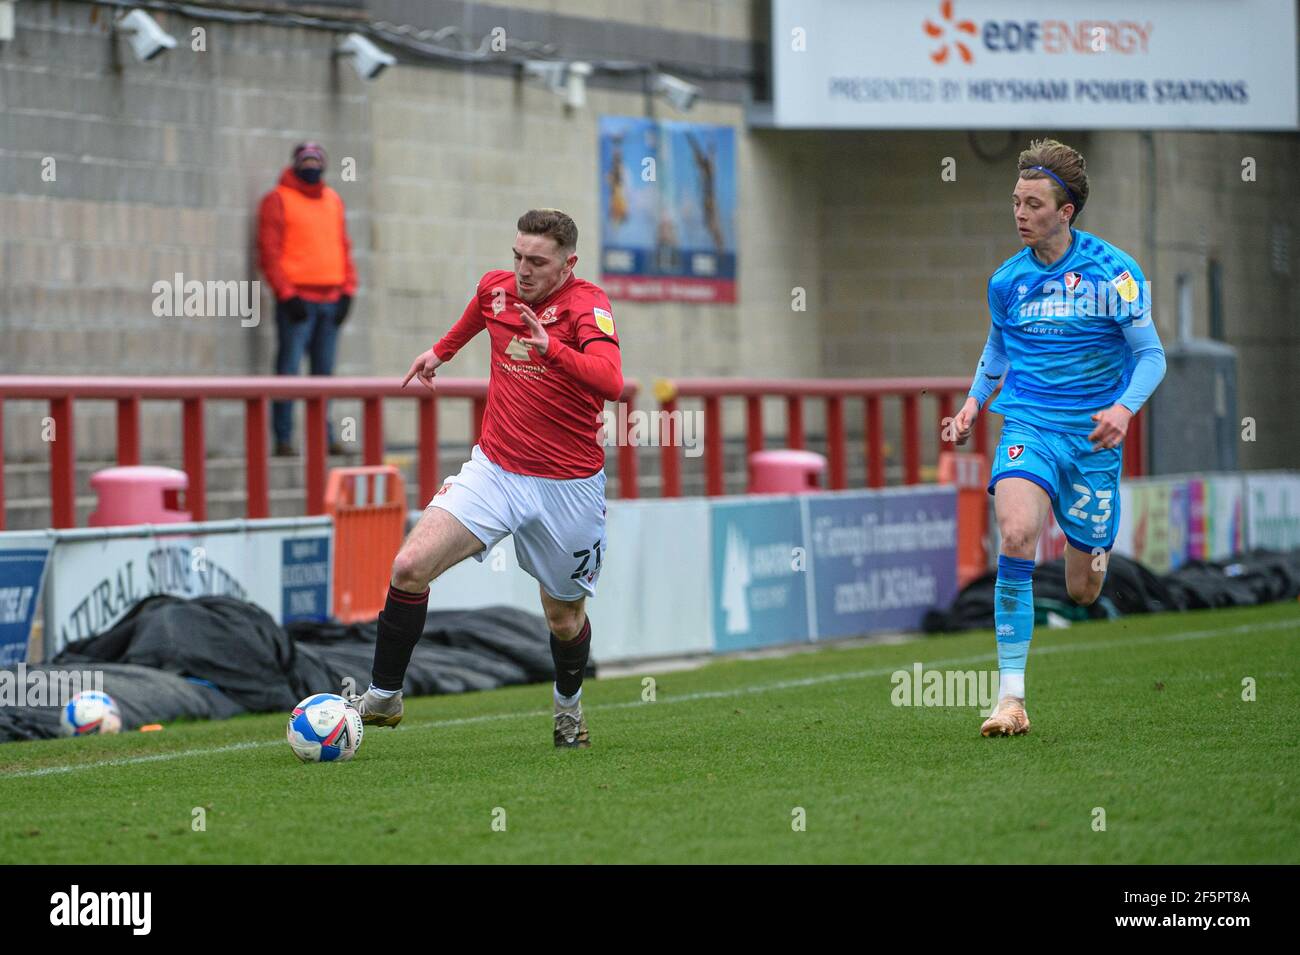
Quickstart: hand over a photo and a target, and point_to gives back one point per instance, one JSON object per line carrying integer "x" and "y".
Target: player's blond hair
{"x": 550, "y": 222}
{"x": 1066, "y": 162}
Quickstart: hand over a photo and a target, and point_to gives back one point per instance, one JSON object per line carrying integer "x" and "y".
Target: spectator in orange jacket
{"x": 303, "y": 250}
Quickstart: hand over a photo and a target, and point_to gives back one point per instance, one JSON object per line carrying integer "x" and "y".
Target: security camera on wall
{"x": 681, "y": 94}
{"x": 575, "y": 84}
{"x": 367, "y": 59}
{"x": 563, "y": 78}
{"x": 146, "y": 37}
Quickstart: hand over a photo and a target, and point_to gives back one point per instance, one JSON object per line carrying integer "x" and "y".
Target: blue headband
{"x": 1068, "y": 191}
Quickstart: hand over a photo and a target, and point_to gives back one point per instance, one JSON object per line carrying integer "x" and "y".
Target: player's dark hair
{"x": 551, "y": 222}
{"x": 1063, "y": 167}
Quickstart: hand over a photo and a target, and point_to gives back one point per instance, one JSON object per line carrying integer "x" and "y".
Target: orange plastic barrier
{"x": 970, "y": 472}
{"x": 368, "y": 505}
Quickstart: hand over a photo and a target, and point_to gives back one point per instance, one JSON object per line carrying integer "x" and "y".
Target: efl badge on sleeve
{"x": 604, "y": 320}
{"x": 1125, "y": 286}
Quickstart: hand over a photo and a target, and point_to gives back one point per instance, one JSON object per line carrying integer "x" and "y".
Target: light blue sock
{"x": 1013, "y": 614}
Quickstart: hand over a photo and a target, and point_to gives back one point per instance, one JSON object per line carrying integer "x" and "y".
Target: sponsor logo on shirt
{"x": 1048, "y": 308}
{"x": 517, "y": 350}
{"x": 604, "y": 320}
{"x": 1125, "y": 286}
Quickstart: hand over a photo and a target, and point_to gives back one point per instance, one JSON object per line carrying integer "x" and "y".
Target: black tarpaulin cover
{"x": 1241, "y": 580}
{"x": 215, "y": 657}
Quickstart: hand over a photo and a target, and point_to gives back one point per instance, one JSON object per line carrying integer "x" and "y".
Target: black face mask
{"x": 309, "y": 176}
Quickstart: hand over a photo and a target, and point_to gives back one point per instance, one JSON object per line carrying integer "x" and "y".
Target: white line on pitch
{"x": 687, "y": 697}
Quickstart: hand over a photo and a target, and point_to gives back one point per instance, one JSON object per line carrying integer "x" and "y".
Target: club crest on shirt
{"x": 604, "y": 320}
{"x": 1015, "y": 451}
{"x": 548, "y": 316}
{"x": 1072, "y": 280}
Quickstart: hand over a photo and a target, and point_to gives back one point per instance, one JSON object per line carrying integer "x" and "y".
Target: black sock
{"x": 570, "y": 658}
{"x": 400, "y": 625}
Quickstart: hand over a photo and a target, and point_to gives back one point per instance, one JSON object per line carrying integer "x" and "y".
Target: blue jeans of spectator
{"x": 317, "y": 337}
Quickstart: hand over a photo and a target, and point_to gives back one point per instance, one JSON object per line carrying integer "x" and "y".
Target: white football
{"x": 90, "y": 712}
{"x": 324, "y": 728}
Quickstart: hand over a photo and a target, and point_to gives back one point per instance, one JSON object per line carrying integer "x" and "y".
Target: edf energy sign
{"x": 1014, "y": 64}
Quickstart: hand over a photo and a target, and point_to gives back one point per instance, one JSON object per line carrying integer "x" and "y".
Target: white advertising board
{"x": 97, "y": 575}
{"x": 1021, "y": 64}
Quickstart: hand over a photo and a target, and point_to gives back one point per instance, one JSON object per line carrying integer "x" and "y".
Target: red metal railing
{"x": 255, "y": 392}
{"x": 945, "y": 394}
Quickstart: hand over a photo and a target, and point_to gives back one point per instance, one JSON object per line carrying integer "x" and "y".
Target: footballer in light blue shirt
{"x": 1073, "y": 345}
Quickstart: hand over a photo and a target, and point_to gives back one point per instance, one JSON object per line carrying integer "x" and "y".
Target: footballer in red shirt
{"x": 537, "y": 472}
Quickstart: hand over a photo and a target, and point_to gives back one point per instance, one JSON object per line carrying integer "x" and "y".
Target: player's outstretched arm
{"x": 989, "y": 373}
{"x": 424, "y": 366}
{"x": 470, "y": 323}
{"x": 599, "y": 367}
{"x": 964, "y": 423}
{"x": 1148, "y": 372}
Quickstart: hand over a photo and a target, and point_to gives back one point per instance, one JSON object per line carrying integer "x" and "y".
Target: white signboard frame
{"x": 96, "y": 575}
{"x": 1023, "y": 64}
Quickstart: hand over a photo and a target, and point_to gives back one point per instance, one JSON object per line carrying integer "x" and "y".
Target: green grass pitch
{"x": 1142, "y": 718}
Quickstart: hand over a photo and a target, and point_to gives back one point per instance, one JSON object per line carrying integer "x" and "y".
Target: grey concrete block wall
{"x": 1204, "y": 212}
{"x": 158, "y": 169}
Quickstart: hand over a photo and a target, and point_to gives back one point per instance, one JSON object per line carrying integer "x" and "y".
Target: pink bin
{"x": 139, "y": 495}
{"x": 785, "y": 472}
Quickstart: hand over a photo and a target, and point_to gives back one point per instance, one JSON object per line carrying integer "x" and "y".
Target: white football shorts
{"x": 558, "y": 524}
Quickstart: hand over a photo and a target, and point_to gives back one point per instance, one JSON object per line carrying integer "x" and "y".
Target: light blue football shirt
{"x": 1062, "y": 329}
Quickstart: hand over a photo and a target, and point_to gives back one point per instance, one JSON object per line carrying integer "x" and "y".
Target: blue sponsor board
{"x": 760, "y": 587}
{"x": 22, "y": 568}
{"x": 305, "y": 579}
{"x": 881, "y": 560}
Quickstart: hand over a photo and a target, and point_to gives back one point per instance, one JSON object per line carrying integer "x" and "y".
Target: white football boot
{"x": 1009, "y": 719}
{"x": 378, "y": 712}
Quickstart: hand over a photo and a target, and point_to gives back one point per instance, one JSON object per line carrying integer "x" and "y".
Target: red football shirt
{"x": 543, "y": 412}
